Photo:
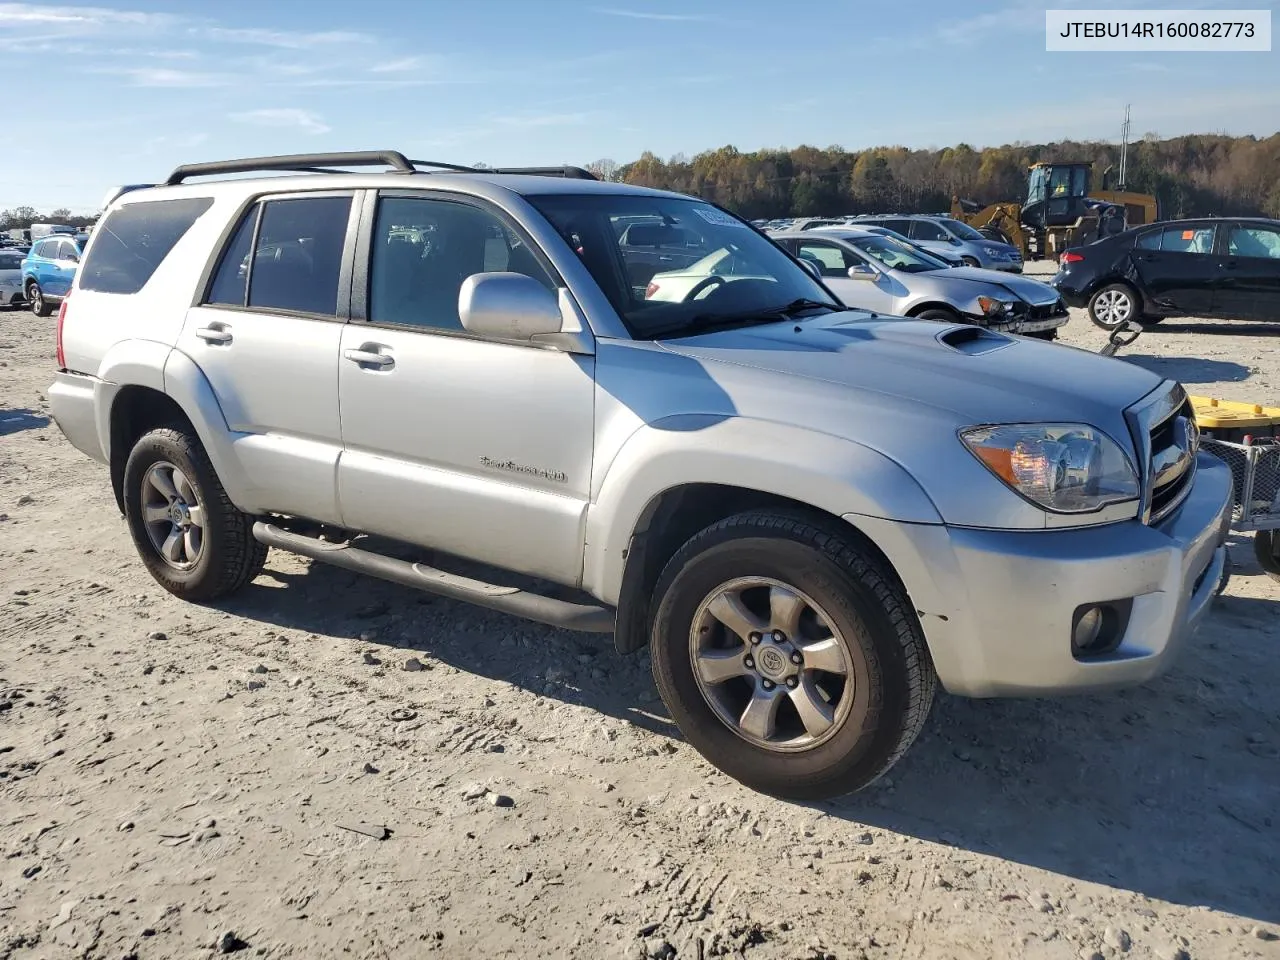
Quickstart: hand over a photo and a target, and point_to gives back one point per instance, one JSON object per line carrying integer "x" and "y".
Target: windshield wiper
{"x": 701, "y": 322}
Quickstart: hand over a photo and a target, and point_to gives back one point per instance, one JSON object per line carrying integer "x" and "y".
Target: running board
{"x": 520, "y": 603}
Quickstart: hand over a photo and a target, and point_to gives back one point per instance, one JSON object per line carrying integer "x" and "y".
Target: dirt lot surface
{"x": 178, "y": 781}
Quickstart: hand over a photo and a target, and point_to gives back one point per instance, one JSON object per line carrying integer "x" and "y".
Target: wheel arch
{"x": 920, "y": 308}
{"x": 665, "y": 486}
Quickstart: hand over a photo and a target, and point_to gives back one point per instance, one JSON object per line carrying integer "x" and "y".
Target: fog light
{"x": 1098, "y": 628}
{"x": 1087, "y": 629}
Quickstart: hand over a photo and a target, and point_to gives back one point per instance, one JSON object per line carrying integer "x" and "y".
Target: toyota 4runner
{"x": 810, "y": 515}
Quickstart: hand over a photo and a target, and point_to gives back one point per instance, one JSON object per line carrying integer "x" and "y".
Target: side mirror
{"x": 812, "y": 267}
{"x": 508, "y": 306}
{"x": 862, "y": 273}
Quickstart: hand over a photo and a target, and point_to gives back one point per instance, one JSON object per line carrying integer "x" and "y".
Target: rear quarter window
{"x": 133, "y": 240}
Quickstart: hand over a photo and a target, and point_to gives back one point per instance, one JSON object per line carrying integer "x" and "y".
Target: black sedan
{"x": 1219, "y": 267}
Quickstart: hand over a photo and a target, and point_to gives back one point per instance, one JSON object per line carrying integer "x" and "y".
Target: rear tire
{"x": 1113, "y": 306}
{"x": 39, "y": 305}
{"x": 191, "y": 538}
{"x": 852, "y": 680}
{"x": 1266, "y": 547}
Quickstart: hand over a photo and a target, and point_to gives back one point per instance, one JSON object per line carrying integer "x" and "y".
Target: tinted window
{"x": 1262, "y": 242}
{"x": 424, "y": 249}
{"x": 67, "y": 250}
{"x": 1149, "y": 240}
{"x": 299, "y": 254}
{"x": 132, "y": 242}
{"x": 10, "y": 261}
{"x": 927, "y": 230}
{"x": 1186, "y": 239}
{"x": 899, "y": 224}
{"x": 229, "y": 283}
{"x": 42, "y": 249}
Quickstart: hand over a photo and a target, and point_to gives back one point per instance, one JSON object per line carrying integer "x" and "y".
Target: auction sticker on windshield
{"x": 718, "y": 217}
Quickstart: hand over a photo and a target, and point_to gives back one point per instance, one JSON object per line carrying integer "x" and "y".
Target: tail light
{"x": 1070, "y": 257}
{"x": 62, "y": 317}
{"x": 650, "y": 290}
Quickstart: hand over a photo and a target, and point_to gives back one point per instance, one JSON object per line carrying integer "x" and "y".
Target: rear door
{"x": 1249, "y": 284}
{"x": 1177, "y": 267}
{"x": 267, "y": 334}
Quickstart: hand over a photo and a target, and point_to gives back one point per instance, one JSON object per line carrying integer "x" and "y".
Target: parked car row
{"x": 943, "y": 236}
{"x": 44, "y": 275}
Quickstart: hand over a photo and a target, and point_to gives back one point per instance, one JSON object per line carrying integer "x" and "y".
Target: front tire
{"x": 191, "y": 538}
{"x": 39, "y": 305}
{"x": 1113, "y": 306}
{"x": 971, "y": 261}
{"x": 789, "y": 658}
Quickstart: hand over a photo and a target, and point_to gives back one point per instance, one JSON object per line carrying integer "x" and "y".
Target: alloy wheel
{"x": 172, "y": 515}
{"x": 771, "y": 664}
{"x": 1113, "y": 307}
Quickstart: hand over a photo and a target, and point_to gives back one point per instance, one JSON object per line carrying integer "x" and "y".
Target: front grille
{"x": 1171, "y": 442}
{"x": 1046, "y": 311}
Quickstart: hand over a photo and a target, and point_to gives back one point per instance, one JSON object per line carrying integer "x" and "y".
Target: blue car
{"x": 50, "y": 268}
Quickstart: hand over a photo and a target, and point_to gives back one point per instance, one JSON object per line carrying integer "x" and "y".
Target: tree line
{"x": 22, "y": 217}
{"x": 1200, "y": 175}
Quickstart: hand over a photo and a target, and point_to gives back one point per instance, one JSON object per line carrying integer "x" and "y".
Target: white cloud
{"x": 286, "y": 117}
{"x": 400, "y": 66}
{"x": 283, "y": 39}
{"x": 163, "y": 77}
{"x": 649, "y": 15}
{"x": 13, "y": 13}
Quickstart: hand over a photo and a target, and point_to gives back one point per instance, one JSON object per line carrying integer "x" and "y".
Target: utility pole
{"x": 1124, "y": 147}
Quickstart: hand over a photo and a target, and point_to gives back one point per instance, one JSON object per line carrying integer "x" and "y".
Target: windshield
{"x": 897, "y": 255}
{"x": 698, "y": 267}
{"x": 962, "y": 229}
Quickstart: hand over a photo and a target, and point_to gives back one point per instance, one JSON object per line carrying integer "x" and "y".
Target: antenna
{"x": 1124, "y": 147}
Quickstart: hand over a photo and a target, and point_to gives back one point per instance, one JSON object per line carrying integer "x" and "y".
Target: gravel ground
{"x": 328, "y": 765}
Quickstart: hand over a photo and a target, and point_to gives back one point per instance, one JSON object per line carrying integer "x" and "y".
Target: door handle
{"x": 370, "y": 358}
{"x": 214, "y": 334}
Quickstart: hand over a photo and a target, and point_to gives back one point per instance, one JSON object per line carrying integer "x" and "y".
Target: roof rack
{"x": 325, "y": 162}
{"x": 297, "y": 162}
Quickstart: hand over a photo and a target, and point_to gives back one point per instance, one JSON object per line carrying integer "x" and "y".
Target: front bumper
{"x": 997, "y": 606}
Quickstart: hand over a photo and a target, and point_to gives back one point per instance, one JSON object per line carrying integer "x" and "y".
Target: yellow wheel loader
{"x": 1059, "y": 211}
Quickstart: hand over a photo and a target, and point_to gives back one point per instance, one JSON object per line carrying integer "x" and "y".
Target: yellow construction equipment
{"x": 1059, "y": 211}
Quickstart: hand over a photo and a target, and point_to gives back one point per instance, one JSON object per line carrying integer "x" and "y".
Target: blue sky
{"x": 124, "y": 90}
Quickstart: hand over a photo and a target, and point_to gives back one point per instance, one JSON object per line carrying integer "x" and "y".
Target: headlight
{"x": 1062, "y": 467}
{"x": 993, "y": 307}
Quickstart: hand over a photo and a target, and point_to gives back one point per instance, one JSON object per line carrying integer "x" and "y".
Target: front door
{"x": 1249, "y": 284}
{"x": 1178, "y": 268}
{"x": 266, "y": 336}
{"x": 868, "y": 292}
{"x": 476, "y": 447}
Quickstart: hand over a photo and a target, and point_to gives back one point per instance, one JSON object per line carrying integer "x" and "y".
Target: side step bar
{"x": 520, "y": 603}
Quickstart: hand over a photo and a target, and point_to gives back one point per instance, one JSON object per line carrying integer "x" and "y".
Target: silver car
{"x": 880, "y": 273}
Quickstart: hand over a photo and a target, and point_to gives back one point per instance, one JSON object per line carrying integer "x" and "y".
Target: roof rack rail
{"x": 572, "y": 173}
{"x": 297, "y": 162}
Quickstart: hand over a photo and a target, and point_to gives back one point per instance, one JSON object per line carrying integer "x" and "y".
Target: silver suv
{"x": 810, "y": 515}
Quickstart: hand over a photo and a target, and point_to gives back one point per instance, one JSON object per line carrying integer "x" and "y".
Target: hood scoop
{"x": 972, "y": 340}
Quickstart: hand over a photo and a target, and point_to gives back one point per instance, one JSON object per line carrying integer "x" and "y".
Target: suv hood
{"x": 913, "y": 371}
{"x": 1032, "y": 291}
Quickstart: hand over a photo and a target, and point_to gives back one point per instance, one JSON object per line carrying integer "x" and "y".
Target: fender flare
{"x": 830, "y": 473}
